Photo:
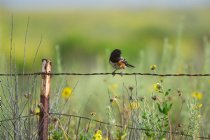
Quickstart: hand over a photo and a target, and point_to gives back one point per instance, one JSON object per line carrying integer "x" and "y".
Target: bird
{"x": 117, "y": 61}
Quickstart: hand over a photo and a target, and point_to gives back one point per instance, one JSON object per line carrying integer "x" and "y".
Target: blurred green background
{"x": 86, "y": 37}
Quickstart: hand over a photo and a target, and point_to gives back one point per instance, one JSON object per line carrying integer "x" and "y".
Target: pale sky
{"x": 69, "y": 4}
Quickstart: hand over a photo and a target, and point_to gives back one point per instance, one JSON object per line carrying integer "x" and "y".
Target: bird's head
{"x": 116, "y": 53}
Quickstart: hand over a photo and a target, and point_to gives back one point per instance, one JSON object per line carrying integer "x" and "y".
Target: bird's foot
{"x": 121, "y": 73}
{"x": 113, "y": 73}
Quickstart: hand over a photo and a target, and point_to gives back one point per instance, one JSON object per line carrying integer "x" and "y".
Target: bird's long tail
{"x": 129, "y": 65}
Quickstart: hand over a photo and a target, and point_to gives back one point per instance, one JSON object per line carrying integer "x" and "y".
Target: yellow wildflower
{"x": 153, "y": 67}
{"x": 97, "y": 135}
{"x": 197, "y": 106}
{"x": 134, "y": 105}
{"x": 36, "y": 110}
{"x": 197, "y": 95}
{"x": 67, "y": 92}
{"x": 157, "y": 86}
{"x": 200, "y": 105}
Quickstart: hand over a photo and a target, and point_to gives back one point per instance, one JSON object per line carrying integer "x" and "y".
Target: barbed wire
{"x": 102, "y": 122}
{"x": 17, "y": 118}
{"x": 109, "y": 73}
{"x": 120, "y": 126}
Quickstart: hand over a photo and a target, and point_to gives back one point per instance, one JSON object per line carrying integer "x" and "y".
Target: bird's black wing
{"x": 115, "y": 56}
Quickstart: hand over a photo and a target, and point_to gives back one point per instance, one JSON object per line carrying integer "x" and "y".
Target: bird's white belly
{"x": 115, "y": 65}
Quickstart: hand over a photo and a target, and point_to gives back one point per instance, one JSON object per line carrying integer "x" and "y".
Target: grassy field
{"x": 168, "y": 41}
{"x": 90, "y": 34}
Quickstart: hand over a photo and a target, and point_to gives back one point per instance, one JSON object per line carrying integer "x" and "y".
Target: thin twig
{"x": 26, "y": 34}
{"x": 37, "y": 50}
{"x": 170, "y": 128}
{"x": 19, "y": 117}
{"x": 77, "y": 130}
{"x": 11, "y": 44}
{"x": 136, "y": 82}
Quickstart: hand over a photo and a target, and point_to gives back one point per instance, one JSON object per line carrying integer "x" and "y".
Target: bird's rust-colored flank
{"x": 121, "y": 64}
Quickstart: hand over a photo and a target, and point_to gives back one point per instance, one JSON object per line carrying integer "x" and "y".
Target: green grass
{"x": 90, "y": 33}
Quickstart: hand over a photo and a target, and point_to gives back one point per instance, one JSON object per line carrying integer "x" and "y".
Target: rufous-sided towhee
{"x": 117, "y": 61}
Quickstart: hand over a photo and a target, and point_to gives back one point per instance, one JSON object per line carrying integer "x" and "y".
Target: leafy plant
{"x": 57, "y": 135}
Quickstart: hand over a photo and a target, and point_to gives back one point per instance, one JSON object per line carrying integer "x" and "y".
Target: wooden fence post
{"x": 44, "y": 100}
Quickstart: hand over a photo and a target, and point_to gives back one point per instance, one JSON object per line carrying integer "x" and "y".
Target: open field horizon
{"x": 89, "y": 34}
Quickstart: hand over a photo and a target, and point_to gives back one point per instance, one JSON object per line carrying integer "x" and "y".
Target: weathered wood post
{"x": 44, "y": 100}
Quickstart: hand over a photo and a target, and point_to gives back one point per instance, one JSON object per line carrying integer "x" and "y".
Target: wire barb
{"x": 120, "y": 126}
{"x": 109, "y": 73}
{"x": 101, "y": 123}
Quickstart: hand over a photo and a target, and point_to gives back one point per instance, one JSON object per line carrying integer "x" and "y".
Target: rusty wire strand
{"x": 120, "y": 126}
{"x": 109, "y": 73}
{"x": 101, "y": 122}
{"x": 17, "y": 118}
